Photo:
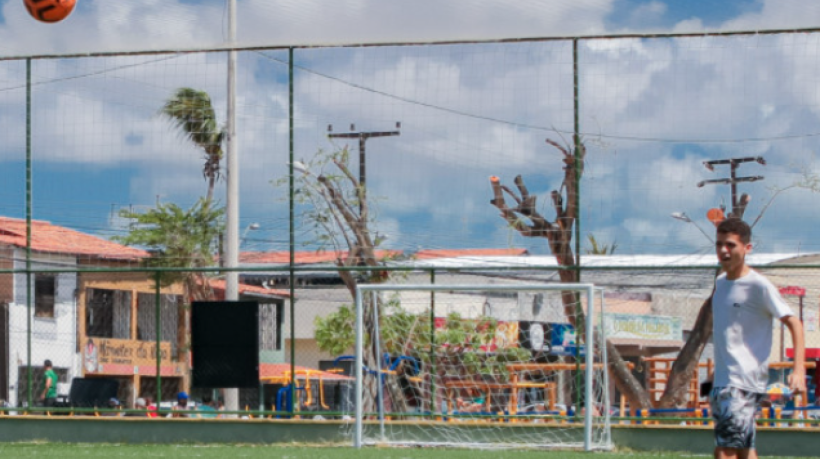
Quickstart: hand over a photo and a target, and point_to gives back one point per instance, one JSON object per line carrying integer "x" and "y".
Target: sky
{"x": 651, "y": 111}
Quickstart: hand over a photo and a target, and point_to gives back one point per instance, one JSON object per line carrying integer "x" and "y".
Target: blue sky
{"x": 639, "y": 13}
{"x": 651, "y": 111}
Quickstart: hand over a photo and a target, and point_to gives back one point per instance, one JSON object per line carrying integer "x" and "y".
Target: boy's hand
{"x": 797, "y": 380}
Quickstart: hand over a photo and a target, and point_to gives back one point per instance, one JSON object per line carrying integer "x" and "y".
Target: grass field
{"x": 72, "y": 451}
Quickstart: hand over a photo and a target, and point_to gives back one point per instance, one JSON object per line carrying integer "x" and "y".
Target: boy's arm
{"x": 797, "y": 380}
{"x": 47, "y": 387}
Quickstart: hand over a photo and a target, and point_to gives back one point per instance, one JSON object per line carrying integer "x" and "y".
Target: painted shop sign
{"x": 119, "y": 356}
{"x": 647, "y": 327}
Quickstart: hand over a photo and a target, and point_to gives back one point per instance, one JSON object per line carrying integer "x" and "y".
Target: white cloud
{"x": 467, "y": 111}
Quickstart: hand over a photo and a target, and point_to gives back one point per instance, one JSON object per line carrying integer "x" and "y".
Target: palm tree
{"x": 191, "y": 112}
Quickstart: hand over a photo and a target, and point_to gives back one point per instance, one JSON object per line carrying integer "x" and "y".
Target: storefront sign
{"x": 791, "y": 290}
{"x": 118, "y": 356}
{"x": 646, "y": 327}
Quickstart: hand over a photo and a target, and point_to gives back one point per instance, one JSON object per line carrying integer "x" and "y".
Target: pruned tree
{"x": 525, "y": 218}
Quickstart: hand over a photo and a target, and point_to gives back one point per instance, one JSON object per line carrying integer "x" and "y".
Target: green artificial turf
{"x": 71, "y": 451}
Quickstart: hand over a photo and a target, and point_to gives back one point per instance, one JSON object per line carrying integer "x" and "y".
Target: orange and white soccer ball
{"x": 50, "y": 10}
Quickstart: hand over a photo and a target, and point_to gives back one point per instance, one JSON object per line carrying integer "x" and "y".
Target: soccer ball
{"x": 49, "y": 10}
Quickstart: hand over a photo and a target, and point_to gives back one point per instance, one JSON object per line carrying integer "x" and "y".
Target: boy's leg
{"x": 734, "y": 453}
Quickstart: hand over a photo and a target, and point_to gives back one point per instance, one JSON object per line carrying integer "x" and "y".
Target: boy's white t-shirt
{"x": 743, "y": 311}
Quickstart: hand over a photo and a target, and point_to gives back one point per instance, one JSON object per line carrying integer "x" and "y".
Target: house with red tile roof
{"x": 53, "y": 305}
{"x": 99, "y": 324}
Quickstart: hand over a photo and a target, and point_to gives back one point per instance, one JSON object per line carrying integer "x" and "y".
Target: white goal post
{"x": 593, "y": 416}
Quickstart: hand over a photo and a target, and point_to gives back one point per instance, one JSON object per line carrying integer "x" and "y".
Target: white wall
{"x": 51, "y": 338}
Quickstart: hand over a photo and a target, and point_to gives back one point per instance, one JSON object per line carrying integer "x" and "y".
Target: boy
{"x": 49, "y": 393}
{"x": 744, "y": 304}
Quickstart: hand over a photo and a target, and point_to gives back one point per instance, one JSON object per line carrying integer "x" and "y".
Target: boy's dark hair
{"x": 736, "y": 226}
{"x": 47, "y": 363}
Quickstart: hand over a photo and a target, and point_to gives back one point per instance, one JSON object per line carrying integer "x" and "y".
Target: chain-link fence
{"x": 112, "y": 214}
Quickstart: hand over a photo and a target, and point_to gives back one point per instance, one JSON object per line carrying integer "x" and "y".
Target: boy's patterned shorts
{"x": 734, "y": 412}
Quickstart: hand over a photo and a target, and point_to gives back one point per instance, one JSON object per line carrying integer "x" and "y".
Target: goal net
{"x": 481, "y": 366}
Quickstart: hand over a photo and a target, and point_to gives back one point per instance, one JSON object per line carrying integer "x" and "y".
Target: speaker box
{"x": 225, "y": 344}
{"x": 92, "y": 392}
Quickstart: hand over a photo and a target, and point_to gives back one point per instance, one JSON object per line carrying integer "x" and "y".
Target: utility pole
{"x": 362, "y": 136}
{"x": 738, "y": 204}
{"x": 231, "y": 395}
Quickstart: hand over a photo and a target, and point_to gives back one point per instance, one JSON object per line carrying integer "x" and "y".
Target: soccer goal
{"x": 484, "y": 366}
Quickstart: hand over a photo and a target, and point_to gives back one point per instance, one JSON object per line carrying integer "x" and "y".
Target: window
{"x": 108, "y": 313}
{"x": 45, "y": 289}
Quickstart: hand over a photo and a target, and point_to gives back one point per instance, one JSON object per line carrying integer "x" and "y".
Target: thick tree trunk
{"x": 621, "y": 375}
{"x": 624, "y": 380}
{"x": 676, "y": 393}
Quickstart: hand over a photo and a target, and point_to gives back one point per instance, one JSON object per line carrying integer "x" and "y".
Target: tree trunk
{"x": 621, "y": 375}
{"x": 676, "y": 393}
{"x": 369, "y": 352}
{"x": 625, "y": 381}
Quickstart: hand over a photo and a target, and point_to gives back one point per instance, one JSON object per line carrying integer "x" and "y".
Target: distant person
{"x": 220, "y": 407}
{"x": 113, "y": 404}
{"x": 151, "y": 407}
{"x": 207, "y": 410}
{"x": 180, "y": 406}
{"x": 139, "y": 404}
{"x": 744, "y": 305}
{"x": 473, "y": 404}
{"x": 49, "y": 394}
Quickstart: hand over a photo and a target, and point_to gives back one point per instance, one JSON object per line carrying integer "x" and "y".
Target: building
{"x": 100, "y": 324}
{"x": 652, "y": 301}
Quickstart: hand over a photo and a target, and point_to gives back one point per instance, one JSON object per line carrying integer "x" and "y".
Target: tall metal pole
{"x": 28, "y": 233}
{"x": 362, "y": 173}
{"x": 590, "y": 368}
{"x": 605, "y": 362}
{"x": 433, "y": 370}
{"x": 292, "y": 237}
{"x": 158, "y": 333}
{"x": 357, "y": 434}
{"x": 379, "y": 375}
{"x": 232, "y": 181}
{"x": 577, "y": 137}
{"x": 577, "y": 199}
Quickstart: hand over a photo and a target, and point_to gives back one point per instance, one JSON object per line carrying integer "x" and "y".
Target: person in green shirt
{"x": 49, "y": 394}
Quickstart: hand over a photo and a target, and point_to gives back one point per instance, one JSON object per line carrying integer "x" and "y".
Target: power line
{"x": 537, "y": 127}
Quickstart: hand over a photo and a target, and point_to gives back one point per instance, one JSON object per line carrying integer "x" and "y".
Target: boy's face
{"x": 731, "y": 251}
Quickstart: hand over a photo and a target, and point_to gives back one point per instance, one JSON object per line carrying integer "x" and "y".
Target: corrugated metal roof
{"x": 592, "y": 261}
